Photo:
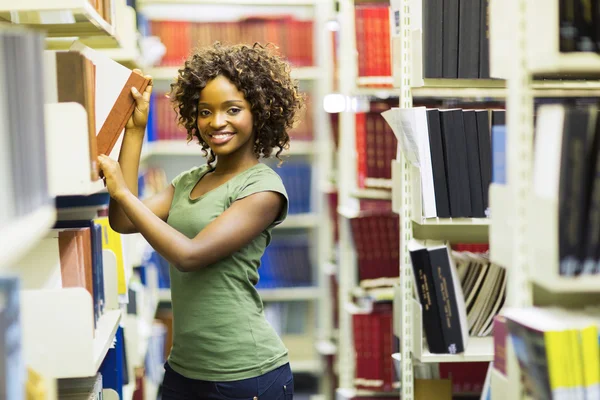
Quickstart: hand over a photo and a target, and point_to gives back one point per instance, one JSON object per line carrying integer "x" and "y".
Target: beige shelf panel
{"x": 500, "y": 230}
{"x": 80, "y": 18}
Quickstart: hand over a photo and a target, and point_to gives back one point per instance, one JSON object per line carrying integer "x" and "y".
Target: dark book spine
{"x": 596, "y": 24}
{"x": 470, "y": 122}
{"x": 432, "y": 38}
{"x": 485, "y": 153}
{"x": 484, "y": 39}
{"x": 468, "y": 39}
{"x": 567, "y": 28}
{"x": 572, "y": 190}
{"x": 431, "y": 312}
{"x": 583, "y": 22}
{"x": 446, "y": 298}
{"x": 438, "y": 164}
{"x": 591, "y": 254}
{"x": 455, "y": 150}
{"x": 450, "y": 43}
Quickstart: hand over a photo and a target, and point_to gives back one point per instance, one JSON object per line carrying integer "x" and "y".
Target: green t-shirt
{"x": 220, "y": 332}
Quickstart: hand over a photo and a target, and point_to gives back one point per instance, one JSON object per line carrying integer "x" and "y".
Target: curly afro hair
{"x": 264, "y": 79}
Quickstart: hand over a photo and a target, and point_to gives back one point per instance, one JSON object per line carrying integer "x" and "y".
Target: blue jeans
{"x": 275, "y": 385}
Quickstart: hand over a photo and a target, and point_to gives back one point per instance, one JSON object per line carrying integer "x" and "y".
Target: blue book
{"x": 12, "y": 364}
{"x": 114, "y": 365}
{"x": 499, "y": 154}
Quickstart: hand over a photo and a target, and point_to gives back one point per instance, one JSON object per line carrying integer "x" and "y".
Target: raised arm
{"x": 129, "y": 160}
{"x": 233, "y": 229}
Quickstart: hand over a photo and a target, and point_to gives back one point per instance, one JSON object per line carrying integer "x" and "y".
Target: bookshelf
{"x": 59, "y": 18}
{"x": 406, "y": 196}
{"x": 531, "y": 252}
{"x": 300, "y": 73}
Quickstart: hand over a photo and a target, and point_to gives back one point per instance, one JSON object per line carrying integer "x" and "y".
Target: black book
{"x": 475, "y": 184}
{"x": 432, "y": 38}
{"x": 438, "y": 164}
{"x": 574, "y": 187}
{"x": 451, "y": 301}
{"x": 450, "y": 41}
{"x": 468, "y": 39}
{"x": 591, "y": 247}
{"x": 583, "y": 22}
{"x": 426, "y": 291}
{"x": 485, "y": 153}
{"x": 567, "y": 27}
{"x": 457, "y": 168}
{"x": 484, "y": 39}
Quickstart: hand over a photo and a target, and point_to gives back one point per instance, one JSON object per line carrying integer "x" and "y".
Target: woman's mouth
{"x": 221, "y": 137}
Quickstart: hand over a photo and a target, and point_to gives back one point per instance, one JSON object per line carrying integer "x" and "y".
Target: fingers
{"x": 148, "y": 91}
{"x": 138, "y": 71}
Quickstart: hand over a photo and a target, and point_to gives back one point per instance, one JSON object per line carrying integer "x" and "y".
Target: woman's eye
{"x": 204, "y": 113}
{"x": 234, "y": 111}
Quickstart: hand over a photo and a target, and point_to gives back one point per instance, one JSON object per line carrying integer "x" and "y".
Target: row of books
{"x": 372, "y": 27}
{"x": 163, "y": 121}
{"x": 105, "y": 8}
{"x": 81, "y": 261}
{"x": 23, "y": 167}
{"x": 293, "y": 37}
{"x": 452, "y": 151}
{"x": 557, "y": 350}
{"x": 460, "y": 293}
{"x": 375, "y": 144}
{"x": 286, "y": 262}
{"x": 455, "y": 39}
{"x": 376, "y": 238}
{"x": 579, "y": 26}
{"x": 297, "y": 179}
{"x": 374, "y": 344}
{"x": 484, "y": 289}
{"x": 565, "y": 172}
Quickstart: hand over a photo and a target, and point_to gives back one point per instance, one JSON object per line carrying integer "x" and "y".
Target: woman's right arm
{"x": 129, "y": 160}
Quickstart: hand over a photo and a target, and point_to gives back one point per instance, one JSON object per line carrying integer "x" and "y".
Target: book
{"x": 450, "y": 298}
{"x": 423, "y": 273}
{"x": 12, "y": 362}
{"x": 114, "y": 102}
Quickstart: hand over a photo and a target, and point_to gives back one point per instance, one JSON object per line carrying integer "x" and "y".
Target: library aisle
{"x": 443, "y": 231}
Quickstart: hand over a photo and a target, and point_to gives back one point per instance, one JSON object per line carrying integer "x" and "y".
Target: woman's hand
{"x": 113, "y": 177}
{"x": 139, "y": 118}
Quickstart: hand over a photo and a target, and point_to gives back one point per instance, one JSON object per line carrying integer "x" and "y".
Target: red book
{"x": 361, "y": 149}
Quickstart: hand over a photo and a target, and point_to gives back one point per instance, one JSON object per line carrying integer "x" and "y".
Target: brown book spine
{"x": 76, "y": 83}
{"x": 119, "y": 114}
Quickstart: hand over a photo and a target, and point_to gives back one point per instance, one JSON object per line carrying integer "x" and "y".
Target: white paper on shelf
{"x": 403, "y": 127}
{"x": 548, "y": 145}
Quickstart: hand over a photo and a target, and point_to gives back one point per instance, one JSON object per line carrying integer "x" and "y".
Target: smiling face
{"x": 225, "y": 118}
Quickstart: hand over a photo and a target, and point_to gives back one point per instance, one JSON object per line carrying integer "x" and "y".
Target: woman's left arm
{"x": 233, "y": 229}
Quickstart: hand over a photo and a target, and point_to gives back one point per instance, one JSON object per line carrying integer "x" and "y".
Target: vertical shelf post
{"x": 346, "y": 183}
{"x": 406, "y": 280}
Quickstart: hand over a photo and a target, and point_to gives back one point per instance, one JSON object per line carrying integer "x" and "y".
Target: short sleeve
{"x": 265, "y": 180}
{"x": 185, "y": 174}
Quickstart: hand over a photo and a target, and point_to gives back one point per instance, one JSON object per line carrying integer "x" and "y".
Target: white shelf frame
{"x": 21, "y": 235}
{"x": 88, "y": 21}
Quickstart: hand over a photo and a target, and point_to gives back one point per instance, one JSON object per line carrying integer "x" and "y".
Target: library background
{"x": 438, "y": 245}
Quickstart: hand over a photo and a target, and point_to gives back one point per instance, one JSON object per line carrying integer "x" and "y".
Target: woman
{"x": 214, "y": 222}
